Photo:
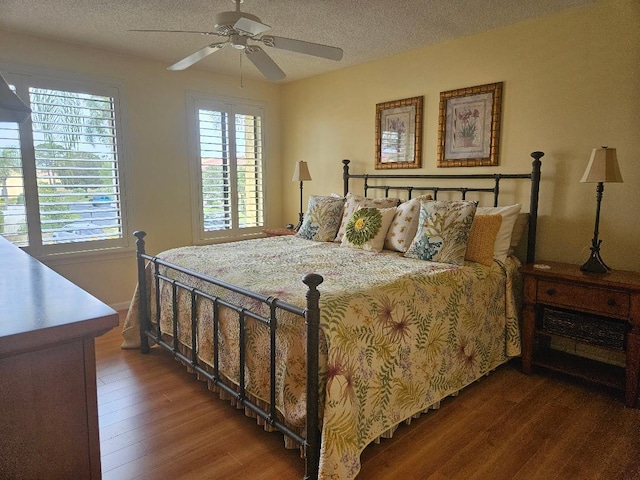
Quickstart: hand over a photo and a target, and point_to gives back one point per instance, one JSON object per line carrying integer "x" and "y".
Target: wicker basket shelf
{"x": 599, "y": 331}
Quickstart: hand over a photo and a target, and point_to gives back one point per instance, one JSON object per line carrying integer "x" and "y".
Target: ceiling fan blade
{"x": 250, "y": 26}
{"x": 197, "y": 56}
{"x": 308, "y": 48}
{"x": 265, "y": 64}
{"x": 180, "y": 31}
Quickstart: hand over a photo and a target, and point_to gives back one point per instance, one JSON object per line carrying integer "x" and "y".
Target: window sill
{"x": 229, "y": 238}
{"x": 98, "y": 255}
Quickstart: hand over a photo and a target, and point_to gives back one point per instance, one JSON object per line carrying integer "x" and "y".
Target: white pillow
{"x": 522, "y": 221}
{"x": 503, "y": 239}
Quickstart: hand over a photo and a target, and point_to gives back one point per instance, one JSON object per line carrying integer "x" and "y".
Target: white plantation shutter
{"x": 249, "y": 161}
{"x": 215, "y": 170}
{"x": 229, "y": 169}
{"x": 13, "y": 214}
{"x": 76, "y": 166}
{"x": 60, "y": 172}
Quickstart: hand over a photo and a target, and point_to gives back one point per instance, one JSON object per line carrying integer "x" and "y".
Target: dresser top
{"x": 615, "y": 279}
{"x": 39, "y": 307}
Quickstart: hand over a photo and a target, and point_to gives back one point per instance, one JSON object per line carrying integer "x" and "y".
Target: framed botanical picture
{"x": 469, "y": 126}
{"x": 399, "y": 133}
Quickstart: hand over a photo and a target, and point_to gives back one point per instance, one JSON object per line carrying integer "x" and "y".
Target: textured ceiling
{"x": 365, "y": 29}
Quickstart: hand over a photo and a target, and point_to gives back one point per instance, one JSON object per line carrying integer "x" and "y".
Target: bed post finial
{"x": 140, "y": 234}
{"x": 533, "y": 206}
{"x": 143, "y": 310}
{"x": 345, "y": 176}
{"x": 536, "y": 162}
{"x": 312, "y": 316}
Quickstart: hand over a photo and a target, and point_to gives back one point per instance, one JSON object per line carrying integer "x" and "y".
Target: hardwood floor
{"x": 158, "y": 422}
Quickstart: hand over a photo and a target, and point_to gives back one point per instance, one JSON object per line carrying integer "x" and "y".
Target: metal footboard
{"x": 310, "y": 314}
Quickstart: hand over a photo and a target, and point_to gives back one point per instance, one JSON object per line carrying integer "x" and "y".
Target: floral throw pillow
{"x": 443, "y": 230}
{"x": 354, "y": 201}
{"x": 322, "y": 219}
{"x": 367, "y": 228}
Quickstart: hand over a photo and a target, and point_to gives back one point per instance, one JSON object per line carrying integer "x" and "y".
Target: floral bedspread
{"x": 400, "y": 334}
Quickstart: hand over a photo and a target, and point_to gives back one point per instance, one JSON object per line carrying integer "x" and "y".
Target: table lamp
{"x": 602, "y": 167}
{"x": 301, "y": 174}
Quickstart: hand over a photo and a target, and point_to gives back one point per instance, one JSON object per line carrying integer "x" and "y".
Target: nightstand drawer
{"x": 597, "y": 300}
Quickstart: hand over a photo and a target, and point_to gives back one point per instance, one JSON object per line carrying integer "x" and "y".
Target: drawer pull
{"x": 551, "y": 291}
{"x": 611, "y": 302}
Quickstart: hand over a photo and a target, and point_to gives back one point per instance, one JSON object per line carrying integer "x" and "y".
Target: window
{"x": 60, "y": 171}
{"x": 228, "y": 168}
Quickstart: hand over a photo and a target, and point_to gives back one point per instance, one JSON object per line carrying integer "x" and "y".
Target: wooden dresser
{"x": 48, "y": 400}
{"x": 595, "y": 309}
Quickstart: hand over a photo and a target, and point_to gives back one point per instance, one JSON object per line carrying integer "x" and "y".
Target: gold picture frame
{"x": 399, "y": 133}
{"x": 469, "y": 126}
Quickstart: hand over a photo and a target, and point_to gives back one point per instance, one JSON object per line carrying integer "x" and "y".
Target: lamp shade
{"x": 12, "y": 108}
{"x": 602, "y": 167}
{"x": 301, "y": 172}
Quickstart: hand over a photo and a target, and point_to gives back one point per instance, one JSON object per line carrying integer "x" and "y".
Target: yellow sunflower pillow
{"x": 367, "y": 228}
{"x": 352, "y": 202}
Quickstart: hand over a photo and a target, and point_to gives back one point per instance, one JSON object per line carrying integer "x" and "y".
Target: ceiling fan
{"x": 239, "y": 28}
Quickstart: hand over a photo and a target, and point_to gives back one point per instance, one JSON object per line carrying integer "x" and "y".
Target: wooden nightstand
{"x": 276, "y": 232}
{"x": 600, "y": 310}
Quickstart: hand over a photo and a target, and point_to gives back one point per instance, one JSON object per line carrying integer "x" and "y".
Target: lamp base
{"x": 595, "y": 263}
{"x": 300, "y": 221}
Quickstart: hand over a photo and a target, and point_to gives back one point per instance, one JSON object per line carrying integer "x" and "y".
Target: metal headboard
{"x": 533, "y": 176}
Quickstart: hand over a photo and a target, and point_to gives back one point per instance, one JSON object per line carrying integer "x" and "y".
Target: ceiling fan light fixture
{"x": 239, "y": 42}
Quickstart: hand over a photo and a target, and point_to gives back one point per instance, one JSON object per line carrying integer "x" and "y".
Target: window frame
{"x": 24, "y": 78}
{"x": 195, "y": 102}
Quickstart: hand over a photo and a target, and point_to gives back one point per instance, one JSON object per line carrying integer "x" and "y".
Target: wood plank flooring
{"x": 158, "y": 422}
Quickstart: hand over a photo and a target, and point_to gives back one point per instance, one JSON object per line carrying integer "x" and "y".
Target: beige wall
{"x": 156, "y": 147}
{"x": 571, "y": 83}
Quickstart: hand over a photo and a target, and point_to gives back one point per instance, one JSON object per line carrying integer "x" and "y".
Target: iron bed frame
{"x": 309, "y": 443}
